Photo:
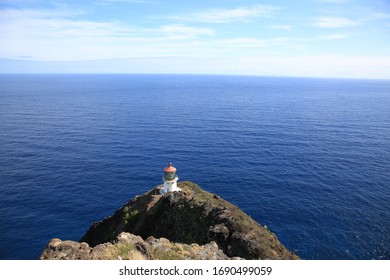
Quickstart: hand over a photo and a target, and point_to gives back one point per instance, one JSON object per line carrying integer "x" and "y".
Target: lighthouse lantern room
{"x": 170, "y": 180}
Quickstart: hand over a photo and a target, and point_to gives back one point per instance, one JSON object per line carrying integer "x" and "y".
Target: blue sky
{"x": 310, "y": 38}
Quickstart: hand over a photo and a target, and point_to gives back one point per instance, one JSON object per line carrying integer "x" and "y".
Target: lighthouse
{"x": 170, "y": 180}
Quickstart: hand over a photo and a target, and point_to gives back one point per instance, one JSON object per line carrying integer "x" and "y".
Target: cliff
{"x": 192, "y": 224}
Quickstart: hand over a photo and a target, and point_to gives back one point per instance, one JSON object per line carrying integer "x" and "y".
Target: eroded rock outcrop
{"x": 131, "y": 247}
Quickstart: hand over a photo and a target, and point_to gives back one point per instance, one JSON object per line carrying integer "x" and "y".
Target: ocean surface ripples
{"x": 310, "y": 158}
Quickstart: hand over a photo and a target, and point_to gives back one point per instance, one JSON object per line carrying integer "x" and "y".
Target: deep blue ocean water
{"x": 309, "y": 158}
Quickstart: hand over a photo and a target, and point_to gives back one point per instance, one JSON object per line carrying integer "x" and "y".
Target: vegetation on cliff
{"x": 187, "y": 217}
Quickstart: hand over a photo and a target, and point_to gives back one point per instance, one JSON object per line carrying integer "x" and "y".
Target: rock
{"x": 55, "y": 242}
{"x": 219, "y": 233}
{"x": 63, "y": 250}
{"x": 131, "y": 247}
{"x": 189, "y": 224}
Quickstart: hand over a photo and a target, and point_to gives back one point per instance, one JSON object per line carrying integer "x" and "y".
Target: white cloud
{"x": 229, "y": 15}
{"x": 56, "y": 35}
{"x": 335, "y": 1}
{"x": 53, "y": 36}
{"x": 47, "y": 24}
{"x": 335, "y": 22}
{"x": 61, "y": 35}
{"x": 377, "y": 16}
{"x": 336, "y": 36}
{"x": 185, "y": 31}
{"x": 281, "y": 27}
{"x": 247, "y": 43}
{"x": 44, "y": 36}
{"x": 124, "y": 1}
{"x": 16, "y": 14}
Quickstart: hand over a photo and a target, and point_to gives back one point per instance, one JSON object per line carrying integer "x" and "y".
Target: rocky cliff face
{"x": 181, "y": 218}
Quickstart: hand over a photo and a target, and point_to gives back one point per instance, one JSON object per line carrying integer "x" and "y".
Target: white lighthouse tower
{"x": 170, "y": 180}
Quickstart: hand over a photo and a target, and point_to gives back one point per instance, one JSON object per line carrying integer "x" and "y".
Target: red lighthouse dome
{"x": 170, "y": 168}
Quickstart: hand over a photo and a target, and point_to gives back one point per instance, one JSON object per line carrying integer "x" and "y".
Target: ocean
{"x": 309, "y": 158}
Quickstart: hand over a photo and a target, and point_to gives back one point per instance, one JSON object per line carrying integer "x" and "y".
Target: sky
{"x": 302, "y": 38}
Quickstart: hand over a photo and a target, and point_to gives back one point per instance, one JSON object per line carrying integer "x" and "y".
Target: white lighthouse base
{"x": 170, "y": 186}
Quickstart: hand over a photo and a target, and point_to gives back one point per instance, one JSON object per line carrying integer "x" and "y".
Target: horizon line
{"x": 193, "y": 74}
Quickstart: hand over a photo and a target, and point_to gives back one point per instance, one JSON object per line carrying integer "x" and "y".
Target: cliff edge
{"x": 191, "y": 224}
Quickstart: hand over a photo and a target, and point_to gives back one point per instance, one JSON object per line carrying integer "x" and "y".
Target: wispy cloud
{"x": 63, "y": 12}
{"x": 242, "y": 44}
{"x": 185, "y": 31}
{"x": 55, "y": 23}
{"x": 49, "y": 36}
{"x": 242, "y": 14}
{"x": 57, "y": 34}
{"x": 335, "y": 22}
{"x": 336, "y": 36}
{"x": 193, "y": 38}
{"x": 61, "y": 35}
{"x": 335, "y": 1}
{"x": 124, "y": 1}
{"x": 377, "y": 16}
{"x": 281, "y": 27}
